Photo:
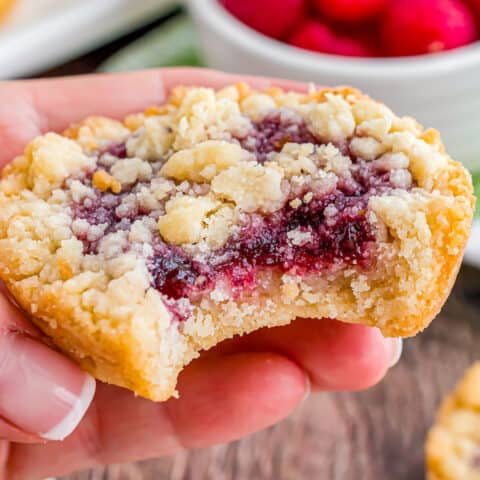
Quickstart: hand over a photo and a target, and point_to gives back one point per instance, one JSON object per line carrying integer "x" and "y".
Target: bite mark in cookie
{"x": 141, "y": 243}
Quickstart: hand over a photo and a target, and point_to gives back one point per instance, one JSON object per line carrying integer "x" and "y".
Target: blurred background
{"x": 422, "y": 57}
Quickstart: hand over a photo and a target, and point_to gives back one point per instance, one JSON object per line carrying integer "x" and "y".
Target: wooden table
{"x": 373, "y": 435}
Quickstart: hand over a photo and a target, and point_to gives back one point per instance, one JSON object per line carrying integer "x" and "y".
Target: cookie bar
{"x": 136, "y": 245}
{"x": 453, "y": 444}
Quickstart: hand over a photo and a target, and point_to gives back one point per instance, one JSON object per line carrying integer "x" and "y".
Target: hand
{"x": 237, "y": 388}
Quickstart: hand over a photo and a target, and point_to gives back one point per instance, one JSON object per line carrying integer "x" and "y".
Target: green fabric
{"x": 174, "y": 43}
{"x": 476, "y": 186}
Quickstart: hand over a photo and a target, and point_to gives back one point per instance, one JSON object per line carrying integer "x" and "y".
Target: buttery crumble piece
{"x": 104, "y": 181}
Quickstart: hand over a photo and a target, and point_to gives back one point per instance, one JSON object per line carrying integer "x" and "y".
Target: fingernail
{"x": 308, "y": 388}
{"x": 396, "y": 351}
{"x": 41, "y": 391}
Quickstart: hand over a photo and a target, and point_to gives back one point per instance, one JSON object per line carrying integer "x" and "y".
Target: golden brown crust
{"x": 102, "y": 310}
{"x": 453, "y": 443}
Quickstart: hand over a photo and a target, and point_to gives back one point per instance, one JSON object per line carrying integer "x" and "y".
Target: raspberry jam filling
{"x": 296, "y": 240}
{"x": 317, "y": 230}
{"x": 118, "y": 150}
{"x": 273, "y": 132}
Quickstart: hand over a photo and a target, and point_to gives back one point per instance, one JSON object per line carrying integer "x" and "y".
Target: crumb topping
{"x": 103, "y": 181}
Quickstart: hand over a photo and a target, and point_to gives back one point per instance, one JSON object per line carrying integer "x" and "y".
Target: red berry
{"x": 475, "y": 6}
{"x": 350, "y": 10}
{"x": 364, "y": 33}
{"x": 316, "y": 36}
{"x": 426, "y": 26}
{"x": 270, "y": 17}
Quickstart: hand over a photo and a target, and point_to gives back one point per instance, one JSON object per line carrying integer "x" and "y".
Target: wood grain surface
{"x": 373, "y": 435}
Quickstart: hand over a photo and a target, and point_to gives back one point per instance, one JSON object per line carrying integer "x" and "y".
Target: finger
{"x": 220, "y": 400}
{"x": 336, "y": 355}
{"x": 43, "y": 395}
{"x": 187, "y": 76}
{"x": 32, "y": 107}
{"x": 12, "y": 433}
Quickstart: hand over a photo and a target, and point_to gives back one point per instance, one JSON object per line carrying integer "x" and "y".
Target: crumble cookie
{"x": 136, "y": 245}
{"x": 5, "y": 7}
{"x": 453, "y": 444}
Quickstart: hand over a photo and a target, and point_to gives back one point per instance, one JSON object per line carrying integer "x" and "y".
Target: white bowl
{"x": 472, "y": 253}
{"x": 441, "y": 90}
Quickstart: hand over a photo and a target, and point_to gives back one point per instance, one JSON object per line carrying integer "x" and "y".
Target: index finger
{"x": 32, "y": 107}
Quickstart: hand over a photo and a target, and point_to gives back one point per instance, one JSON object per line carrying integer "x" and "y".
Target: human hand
{"x": 239, "y": 387}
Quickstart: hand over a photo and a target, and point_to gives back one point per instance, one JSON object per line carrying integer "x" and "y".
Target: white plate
{"x": 43, "y": 33}
{"x": 472, "y": 253}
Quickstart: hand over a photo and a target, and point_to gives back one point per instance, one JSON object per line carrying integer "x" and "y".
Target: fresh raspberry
{"x": 364, "y": 33}
{"x": 426, "y": 26}
{"x": 316, "y": 36}
{"x": 350, "y": 10}
{"x": 475, "y": 6}
{"x": 270, "y": 17}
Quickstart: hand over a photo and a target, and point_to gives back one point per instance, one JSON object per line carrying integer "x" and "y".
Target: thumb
{"x": 43, "y": 395}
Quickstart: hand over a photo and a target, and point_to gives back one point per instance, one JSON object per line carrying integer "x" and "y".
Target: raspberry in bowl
{"x": 395, "y": 27}
{"x": 356, "y": 43}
